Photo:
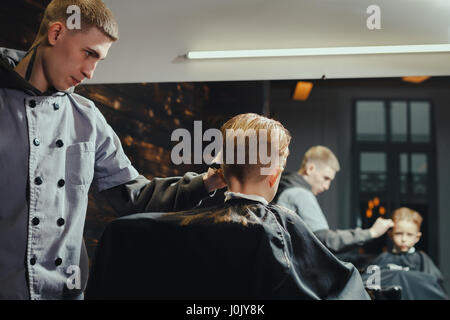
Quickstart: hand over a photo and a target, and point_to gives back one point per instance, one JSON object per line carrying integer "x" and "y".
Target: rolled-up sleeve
{"x": 112, "y": 166}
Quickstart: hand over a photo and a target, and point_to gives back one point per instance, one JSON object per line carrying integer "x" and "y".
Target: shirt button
{"x": 35, "y": 221}
{"x": 36, "y": 142}
{"x": 278, "y": 242}
{"x": 38, "y": 181}
{"x": 59, "y": 143}
{"x": 33, "y": 260}
{"x": 61, "y": 183}
{"x": 60, "y": 222}
{"x": 32, "y": 104}
{"x": 55, "y": 106}
{"x": 58, "y": 261}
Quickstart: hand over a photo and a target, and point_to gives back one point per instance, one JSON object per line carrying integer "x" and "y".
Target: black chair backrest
{"x": 142, "y": 257}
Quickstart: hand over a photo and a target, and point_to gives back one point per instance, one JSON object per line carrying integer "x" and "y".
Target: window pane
{"x": 420, "y": 121}
{"x": 373, "y": 172}
{"x": 404, "y": 173}
{"x": 419, "y": 169}
{"x": 398, "y": 121}
{"x": 370, "y": 121}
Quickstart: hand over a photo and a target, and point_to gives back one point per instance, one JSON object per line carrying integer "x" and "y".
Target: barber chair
{"x": 387, "y": 293}
{"x": 139, "y": 257}
{"x": 413, "y": 285}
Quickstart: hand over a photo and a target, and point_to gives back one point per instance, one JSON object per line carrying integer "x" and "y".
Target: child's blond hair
{"x": 406, "y": 214}
{"x": 258, "y": 123}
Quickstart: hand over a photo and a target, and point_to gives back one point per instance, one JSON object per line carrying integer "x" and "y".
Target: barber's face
{"x": 319, "y": 177}
{"x": 73, "y": 57}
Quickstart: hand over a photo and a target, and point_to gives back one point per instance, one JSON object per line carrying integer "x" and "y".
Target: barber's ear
{"x": 54, "y": 32}
{"x": 310, "y": 166}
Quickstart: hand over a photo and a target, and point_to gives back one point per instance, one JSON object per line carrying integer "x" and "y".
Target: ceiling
{"x": 153, "y": 34}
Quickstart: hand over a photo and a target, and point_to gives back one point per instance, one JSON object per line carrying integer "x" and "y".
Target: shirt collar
{"x": 233, "y": 195}
{"x": 9, "y": 78}
{"x": 411, "y": 250}
{"x": 303, "y": 182}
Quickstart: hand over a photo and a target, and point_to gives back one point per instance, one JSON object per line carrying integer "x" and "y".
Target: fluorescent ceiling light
{"x": 267, "y": 53}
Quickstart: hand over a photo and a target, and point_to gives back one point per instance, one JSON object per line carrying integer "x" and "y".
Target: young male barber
{"x": 54, "y": 144}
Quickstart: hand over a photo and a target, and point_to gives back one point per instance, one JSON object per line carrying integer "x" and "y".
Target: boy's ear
{"x": 274, "y": 177}
{"x": 419, "y": 234}
{"x": 390, "y": 233}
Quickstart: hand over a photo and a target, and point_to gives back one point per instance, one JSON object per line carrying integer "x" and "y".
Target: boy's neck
{"x": 247, "y": 188}
{"x": 232, "y": 194}
{"x": 248, "y": 191}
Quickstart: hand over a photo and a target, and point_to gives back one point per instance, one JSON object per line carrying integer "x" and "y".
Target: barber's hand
{"x": 214, "y": 180}
{"x": 380, "y": 227}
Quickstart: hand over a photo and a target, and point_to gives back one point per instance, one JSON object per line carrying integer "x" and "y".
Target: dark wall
{"x": 19, "y": 22}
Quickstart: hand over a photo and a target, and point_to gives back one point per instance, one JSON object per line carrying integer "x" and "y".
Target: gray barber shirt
{"x": 53, "y": 145}
{"x": 295, "y": 193}
{"x": 51, "y": 149}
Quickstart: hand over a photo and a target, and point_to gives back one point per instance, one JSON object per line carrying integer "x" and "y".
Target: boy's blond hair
{"x": 248, "y": 122}
{"x": 322, "y": 155}
{"x": 406, "y": 214}
{"x": 94, "y": 13}
{"x": 243, "y": 172}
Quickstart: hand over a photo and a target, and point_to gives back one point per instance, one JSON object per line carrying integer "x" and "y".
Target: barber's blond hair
{"x": 94, "y": 13}
{"x": 253, "y": 121}
{"x": 321, "y": 155}
{"x": 406, "y": 214}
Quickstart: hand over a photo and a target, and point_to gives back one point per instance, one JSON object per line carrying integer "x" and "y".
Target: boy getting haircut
{"x": 406, "y": 232}
{"x": 404, "y": 265}
{"x": 245, "y": 248}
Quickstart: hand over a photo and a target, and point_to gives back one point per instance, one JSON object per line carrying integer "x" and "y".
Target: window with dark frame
{"x": 394, "y": 166}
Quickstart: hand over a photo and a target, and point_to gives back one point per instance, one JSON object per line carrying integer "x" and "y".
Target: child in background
{"x": 405, "y": 234}
{"x": 404, "y": 257}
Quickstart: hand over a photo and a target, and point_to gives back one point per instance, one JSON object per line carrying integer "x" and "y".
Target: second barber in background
{"x": 298, "y": 191}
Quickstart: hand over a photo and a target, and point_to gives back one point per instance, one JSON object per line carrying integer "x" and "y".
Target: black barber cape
{"x": 275, "y": 256}
{"x": 414, "y": 272}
